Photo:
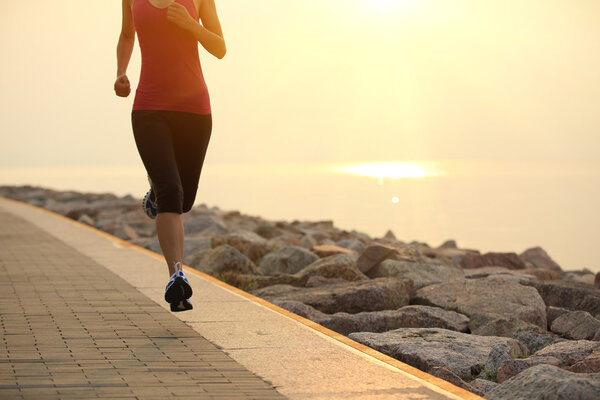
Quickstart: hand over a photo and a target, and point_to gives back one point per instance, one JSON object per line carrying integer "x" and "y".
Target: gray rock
{"x": 448, "y": 244}
{"x": 222, "y": 259}
{"x": 573, "y": 296}
{"x": 449, "y": 376}
{"x": 576, "y": 325}
{"x": 351, "y": 297}
{"x": 483, "y": 385}
{"x": 569, "y": 352}
{"x": 538, "y": 258}
{"x": 287, "y": 260}
{"x": 86, "y": 219}
{"x": 474, "y": 296}
{"x": 597, "y": 280}
{"x": 512, "y": 367}
{"x": 547, "y": 382}
{"x": 379, "y": 321}
{"x": 206, "y": 224}
{"x": 535, "y": 341}
{"x": 508, "y": 260}
{"x": 554, "y": 312}
{"x": 373, "y": 255}
{"x": 421, "y": 273}
{"x": 352, "y": 244}
{"x": 336, "y": 266}
{"x": 497, "y": 325}
{"x": 425, "y": 348}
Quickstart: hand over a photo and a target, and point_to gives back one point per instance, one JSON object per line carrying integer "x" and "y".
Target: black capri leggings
{"x": 172, "y": 145}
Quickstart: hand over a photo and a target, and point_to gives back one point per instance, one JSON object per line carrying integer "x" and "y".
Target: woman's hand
{"x": 180, "y": 16}
{"x": 122, "y": 87}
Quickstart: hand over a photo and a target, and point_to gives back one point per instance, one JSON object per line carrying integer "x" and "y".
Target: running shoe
{"x": 178, "y": 288}
{"x": 149, "y": 202}
{"x": 183, "y": 305}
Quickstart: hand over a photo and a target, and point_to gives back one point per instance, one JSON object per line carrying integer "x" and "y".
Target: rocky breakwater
{"x": 502, "y": 325}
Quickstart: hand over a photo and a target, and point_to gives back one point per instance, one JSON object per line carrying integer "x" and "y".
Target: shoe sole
{"x": 182, "y": 305}
{"x": 178, "y": 291}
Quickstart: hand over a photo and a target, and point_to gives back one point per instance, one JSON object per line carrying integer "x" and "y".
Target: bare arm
{"x": 126, "y": 39}
{"x": 209, "y": 33}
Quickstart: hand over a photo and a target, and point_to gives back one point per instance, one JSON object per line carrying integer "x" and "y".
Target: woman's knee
{"x": 169, "y": 196}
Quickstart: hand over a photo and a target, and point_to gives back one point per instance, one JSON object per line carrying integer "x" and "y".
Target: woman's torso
{"x": 171, "y": 76}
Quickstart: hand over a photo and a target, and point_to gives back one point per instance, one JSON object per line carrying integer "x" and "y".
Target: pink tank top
{"x": 171, "y": 77}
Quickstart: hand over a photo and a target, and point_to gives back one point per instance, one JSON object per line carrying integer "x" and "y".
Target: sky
{"x": 320, "y": 80}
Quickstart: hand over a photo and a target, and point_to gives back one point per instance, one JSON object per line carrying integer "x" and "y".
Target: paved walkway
{"x": 73, "y": 329}
{"x": 83, "y": 316}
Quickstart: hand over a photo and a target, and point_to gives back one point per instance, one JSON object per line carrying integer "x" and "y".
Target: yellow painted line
{"x": 442, "y": 384}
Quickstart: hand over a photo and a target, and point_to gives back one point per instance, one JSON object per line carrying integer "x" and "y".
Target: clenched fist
{"x": 179, "y": 15}
{"x": 122, "y": 86}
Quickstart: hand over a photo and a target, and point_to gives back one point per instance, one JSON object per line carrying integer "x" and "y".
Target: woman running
{"x": 171, "y": 116}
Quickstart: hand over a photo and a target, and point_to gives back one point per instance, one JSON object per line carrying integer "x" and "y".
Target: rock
{"x": 588, "y": 279}
{"x": 221, "y": 259}
{"x": 373, "y": 255}
{"x": 352, "y": 297}
{"x": 352, "y": 244}
{"x": 569, "y": 352}
{"x": 597, "y": 280}
{"x": 549, "y": 383}
{"x": 451, "y": 377}
{"x": 573, "y": 296}
{"x": 448, "y": 244}
{"x": 497, "y": 325}
{"x": 512, "y": 367}
{"x": 589, "y": 364}
{"x": 206, "y": 224}
{"x": 535, "y": 341}
{"x": 338, "y": 266}
{"x": 422, "y": 274}
{"x": 425, "y": 348}
{"x": 308, "y": 242}
{"x": 389, "y": 235}
{"x": 86, "y": 219}
{"x": 317, "y": 280}
{"x": 576, "y": 325}
{"x": 446, "y": 255}
{"x": 326, "y": 250}
{"x": 508, "y": 260}
{"x": 538, "y": 258}
{"x": 543, "y": 274}
{"x": 267, "y": 230}
{"x": 483, "y": 385}
{"x": 554, "y": 312}
{"x": 385, "y": 320}
{"x": 474, "y": 296}
{"x": 287, "y": 260}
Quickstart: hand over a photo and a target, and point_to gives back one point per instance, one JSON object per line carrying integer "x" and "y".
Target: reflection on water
{"x": 484, "y": 205}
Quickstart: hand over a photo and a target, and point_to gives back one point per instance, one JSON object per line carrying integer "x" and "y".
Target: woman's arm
{"x": 124, "y": 50}
{"x": 209, "y": 33}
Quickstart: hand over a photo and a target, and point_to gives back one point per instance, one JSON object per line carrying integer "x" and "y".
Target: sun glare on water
{"x": 388, "y": 169}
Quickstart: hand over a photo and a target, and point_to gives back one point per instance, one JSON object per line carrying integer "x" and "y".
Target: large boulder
{"x": 538, "y": 258}
{"x": 373, "y": 255}
{"x": 589, "y": 364}
{"x": 549, "y": 383}
{"x": 492, "y": 296}
{"x": 286, "y": 260}
{"x": 514, "y": 366}
{"x": 497, "y": 325}
{"x": 576, "y": 325}
{"x": 337, "y": 266}
{"x": 380, "y": 321}
{"x": 223, "y": 259}
{"x": 352, "y": 297}
{"x": 422, "y": 274}
{"x": 571, "y": 295}
{"x": 449, "y": 376}
{"x": 205, "y": 224}
{"x": 569, "y": 352}
{"x": 425, "y": 348}
{"x": 508, "y": 260}
{"x": 536, "y": 341}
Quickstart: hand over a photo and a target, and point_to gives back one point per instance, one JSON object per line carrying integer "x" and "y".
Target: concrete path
{"x": 83, "y": 316}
